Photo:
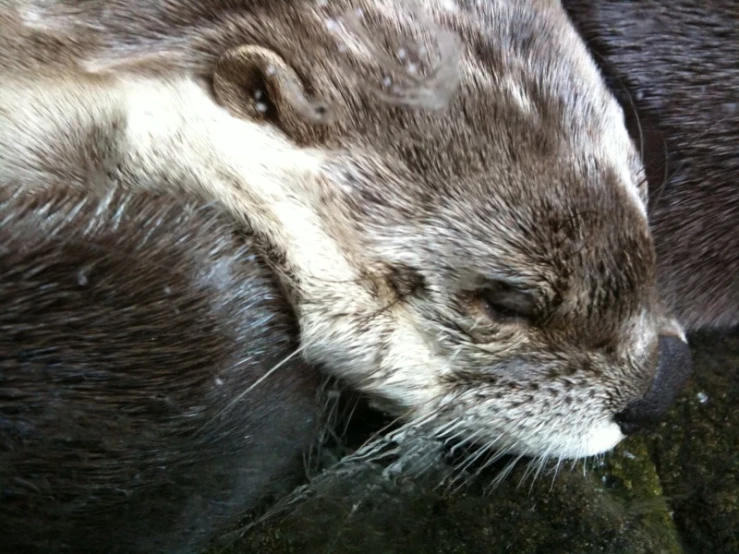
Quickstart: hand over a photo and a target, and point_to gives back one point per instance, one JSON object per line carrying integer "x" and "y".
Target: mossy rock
{"x": 614, "y": 508}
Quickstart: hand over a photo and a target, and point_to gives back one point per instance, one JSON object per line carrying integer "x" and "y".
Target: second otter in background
{"x": 674, "y": 67}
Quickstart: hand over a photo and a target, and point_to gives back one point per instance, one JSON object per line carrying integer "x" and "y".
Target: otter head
{"x": 487, "y": 262}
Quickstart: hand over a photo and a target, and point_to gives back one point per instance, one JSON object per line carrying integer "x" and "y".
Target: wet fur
{"x": 140, "y": 407}
{"x": 390, "y": 221}
{"x": 674, "y": 71}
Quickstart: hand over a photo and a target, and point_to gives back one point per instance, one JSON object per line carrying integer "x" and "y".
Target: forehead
{"x": 525, "y": 98}
{"x": 428, "y": 76}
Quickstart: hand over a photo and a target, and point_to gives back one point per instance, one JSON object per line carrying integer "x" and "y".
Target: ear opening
{"x": 253, "y": 82}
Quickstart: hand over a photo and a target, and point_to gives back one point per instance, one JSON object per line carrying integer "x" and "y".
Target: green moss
{"x": 634, "y": 482}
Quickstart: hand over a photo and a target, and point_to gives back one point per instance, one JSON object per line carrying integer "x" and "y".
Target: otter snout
{"x": 674, "y": 366}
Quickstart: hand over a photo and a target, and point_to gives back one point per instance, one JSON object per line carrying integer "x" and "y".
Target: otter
{"x": 446, "y": 191}
{"x": 486, "y": 264}
{"x": 674, "y": 71}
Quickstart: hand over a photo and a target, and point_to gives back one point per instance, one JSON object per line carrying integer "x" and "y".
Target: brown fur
{"x": 468, "y": 245}
{"x": 674, "y": 69}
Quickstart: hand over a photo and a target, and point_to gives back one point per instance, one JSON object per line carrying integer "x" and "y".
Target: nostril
{"x": 627, "y": 424}
{"x": 674, "y": 366}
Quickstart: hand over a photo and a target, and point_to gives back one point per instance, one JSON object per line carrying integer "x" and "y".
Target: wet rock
{"x": 696, "y": 450}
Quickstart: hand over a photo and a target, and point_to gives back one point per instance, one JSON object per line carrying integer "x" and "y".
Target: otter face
{"x": 502, "y": 270}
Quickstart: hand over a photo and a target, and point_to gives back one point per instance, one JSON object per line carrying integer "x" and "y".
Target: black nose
{"x": 674, "y": 366}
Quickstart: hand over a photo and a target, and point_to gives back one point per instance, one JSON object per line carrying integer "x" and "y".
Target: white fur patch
{"x": 277, "y": 184}
{"x": 272, "y": 171}
{"x": 601, "y": 438}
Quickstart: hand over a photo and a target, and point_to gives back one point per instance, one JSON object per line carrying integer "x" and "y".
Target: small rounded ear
{"x": 255, "y": 83}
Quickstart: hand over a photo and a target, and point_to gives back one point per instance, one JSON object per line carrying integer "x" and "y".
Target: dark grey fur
{"x": 674, "y": 67}
{"x": 132, "y": 327}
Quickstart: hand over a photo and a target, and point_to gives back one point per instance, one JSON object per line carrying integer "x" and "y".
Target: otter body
{"x": 445, "y": 192}
{"x": 674, "y": 70}
{"x": 149, "y": 387}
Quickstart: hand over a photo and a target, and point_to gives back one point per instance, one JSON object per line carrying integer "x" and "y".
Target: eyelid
{"x": 500, "y": 293}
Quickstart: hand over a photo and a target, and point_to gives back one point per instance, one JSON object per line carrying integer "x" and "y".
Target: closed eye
{"x": 504, "y": 303}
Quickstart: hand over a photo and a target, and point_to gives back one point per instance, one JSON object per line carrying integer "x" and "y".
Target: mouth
{"x": 567, "y": 444}
{"x": 599, "y": 441}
